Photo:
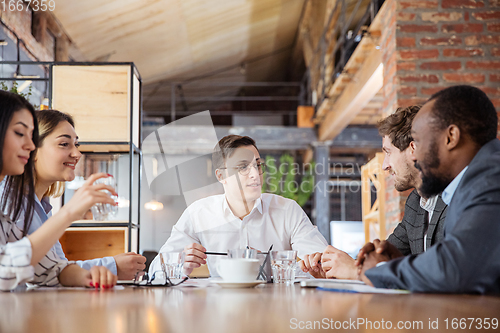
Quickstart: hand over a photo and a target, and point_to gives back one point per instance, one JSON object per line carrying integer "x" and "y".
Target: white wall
{"x": 197, "y": 181}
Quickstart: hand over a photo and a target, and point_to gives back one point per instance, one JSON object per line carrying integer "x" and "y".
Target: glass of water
{"x": 100, "y": 211}
{"x": 283, "y": 264}
{"x": 172, "y": 263}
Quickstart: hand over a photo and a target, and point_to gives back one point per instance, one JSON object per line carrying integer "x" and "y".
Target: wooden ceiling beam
{"x": 310, "y": 29}
{"x": 364, "y": 86}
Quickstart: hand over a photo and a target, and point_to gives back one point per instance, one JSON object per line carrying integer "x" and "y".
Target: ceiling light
{"x": 20, "y": 76}
{"x": 153, "y": 205}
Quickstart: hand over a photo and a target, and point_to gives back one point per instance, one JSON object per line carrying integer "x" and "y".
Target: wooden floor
{"x": 266, "y": 308}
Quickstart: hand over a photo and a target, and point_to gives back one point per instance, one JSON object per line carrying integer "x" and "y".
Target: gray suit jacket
{"x": 408, "y": 236}
{"x": 467, "y": 260}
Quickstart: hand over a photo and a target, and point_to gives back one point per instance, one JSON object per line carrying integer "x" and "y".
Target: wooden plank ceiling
{"x": 175, "y": 40}
{"x": 178, "y": 40}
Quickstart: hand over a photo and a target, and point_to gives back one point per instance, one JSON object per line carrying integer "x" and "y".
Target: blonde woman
{"x": 55, "y": 161}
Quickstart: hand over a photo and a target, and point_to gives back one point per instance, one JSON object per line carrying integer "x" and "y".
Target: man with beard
{"x": 422, "y": 224}
{"x": 457, "y": 152}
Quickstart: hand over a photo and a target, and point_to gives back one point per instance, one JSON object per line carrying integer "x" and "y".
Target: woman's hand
{"x": 97, "y": 277}
{"x": 89, "y": 195}
{"x": 84, "y": 198}
{"x": 100, "y": 277}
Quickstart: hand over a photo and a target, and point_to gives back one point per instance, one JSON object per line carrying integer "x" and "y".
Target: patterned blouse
{"x": 15, "y": 258}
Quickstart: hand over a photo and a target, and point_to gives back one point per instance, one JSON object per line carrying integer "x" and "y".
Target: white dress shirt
{"x": 274, "y": 220}
{"x": 428, "y": 205}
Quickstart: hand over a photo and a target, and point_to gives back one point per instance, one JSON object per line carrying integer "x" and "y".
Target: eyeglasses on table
{"x": 143, "y": 279}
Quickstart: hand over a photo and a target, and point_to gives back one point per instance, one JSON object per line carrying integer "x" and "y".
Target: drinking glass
{"x": 283, "y": 264}
{"x": 172, "y": 263}
{"x": 100, "y": 211}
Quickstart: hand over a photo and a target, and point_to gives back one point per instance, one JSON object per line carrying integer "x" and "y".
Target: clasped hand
{"x": 334, "y": 263}
{"x": 373, "y": 253}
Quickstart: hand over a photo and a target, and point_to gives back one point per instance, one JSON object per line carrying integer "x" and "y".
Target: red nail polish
{"x": 109, "y": 175}
{"x": 91, "y": 284}
{"x": 97, "y": 285}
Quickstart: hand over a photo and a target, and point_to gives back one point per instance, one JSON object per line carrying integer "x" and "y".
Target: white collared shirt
{"x": 274, "y": 220}
{"x": 428, "y": 205}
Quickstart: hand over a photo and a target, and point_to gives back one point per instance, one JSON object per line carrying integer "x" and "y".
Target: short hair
{"x": 48, "y": 120}
{"x": 397, "y": 126}
{"x": 226, "y": 146}
{"x": 469, "y": 109}
{"x": 19, "y": 190}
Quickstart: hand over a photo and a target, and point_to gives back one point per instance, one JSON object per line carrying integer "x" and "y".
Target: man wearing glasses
{"x": 241, "y": 217}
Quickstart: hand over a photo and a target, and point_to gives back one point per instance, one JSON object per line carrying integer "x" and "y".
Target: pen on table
{"x": 216, "y": 253}
{"x": 225, "y": 254}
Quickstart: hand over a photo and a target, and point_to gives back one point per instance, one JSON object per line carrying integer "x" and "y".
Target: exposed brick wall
{"x": 428, "y": 45}
{"x": 21, "y": 23}
{"x": 447, "y": 42}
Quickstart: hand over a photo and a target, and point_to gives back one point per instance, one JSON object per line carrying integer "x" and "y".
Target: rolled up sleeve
{"x": 15, "y": 265}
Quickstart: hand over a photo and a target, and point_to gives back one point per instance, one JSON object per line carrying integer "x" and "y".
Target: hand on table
{"x": 100, "y": 277}
{"x": 373, "y": 253}
{"x": 312, "y": 264}
{"x": 370, "y": 260}
{"x": 128, "y": 264}
{"x": 194, "y": 257}
{"x": 338, "y": 264}
{"x": 97, "y": 277}
{"x": 380, "y": 247}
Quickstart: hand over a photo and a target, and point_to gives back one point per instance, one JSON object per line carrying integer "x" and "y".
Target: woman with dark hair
{"x": 55, "y": 160}
{"x": 30, "y": 258}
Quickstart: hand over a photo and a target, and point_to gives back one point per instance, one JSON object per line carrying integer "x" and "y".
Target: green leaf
{"x": 284, "y": 179}
{"x": 14, "y": 90}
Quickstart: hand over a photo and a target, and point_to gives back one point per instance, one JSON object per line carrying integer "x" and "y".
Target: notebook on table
{"x": 349, "y": 286}
{"x": 327, "y": 283}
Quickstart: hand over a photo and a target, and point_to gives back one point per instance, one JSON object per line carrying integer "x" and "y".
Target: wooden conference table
{"x": 266, "y": 308}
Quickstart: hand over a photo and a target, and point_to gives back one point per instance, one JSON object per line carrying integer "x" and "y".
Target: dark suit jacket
{"x": 408, "y": 236}
{"x": 467, "y": 260}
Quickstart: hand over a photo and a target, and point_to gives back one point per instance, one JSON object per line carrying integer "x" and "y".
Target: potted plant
{"x": 286, "y": 179}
